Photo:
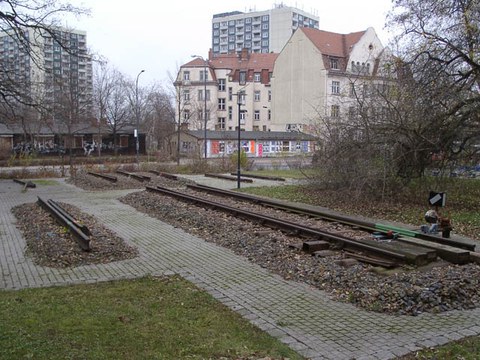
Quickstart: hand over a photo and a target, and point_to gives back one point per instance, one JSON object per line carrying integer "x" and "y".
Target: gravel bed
{"x": 89, "y": 182}
{"x": 435, "y": 288}
{"x": 50, "y": 244}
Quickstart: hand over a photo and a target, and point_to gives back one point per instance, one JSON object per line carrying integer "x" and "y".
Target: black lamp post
{"x": 137, "y": 119}
{"x": 239, "y": 147}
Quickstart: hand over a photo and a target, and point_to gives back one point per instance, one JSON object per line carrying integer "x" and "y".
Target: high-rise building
{"x": 50, "y": 67}
{"x": 258, "y": 31}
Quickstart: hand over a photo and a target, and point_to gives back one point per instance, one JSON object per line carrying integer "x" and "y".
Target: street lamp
{"x": 204, "y": 99}
{"x": 240, "y": 94}
{"x": 137, "y": 119}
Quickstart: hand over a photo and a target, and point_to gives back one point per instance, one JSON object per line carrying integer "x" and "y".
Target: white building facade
{"x": 258, "y": 31}
{"x": 319, "y": 73}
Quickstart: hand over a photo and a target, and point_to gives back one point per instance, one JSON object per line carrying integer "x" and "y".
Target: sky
{"x": 160, "y": 36}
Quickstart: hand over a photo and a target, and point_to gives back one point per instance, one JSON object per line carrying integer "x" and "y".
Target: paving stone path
{"x": 300, "y": 316}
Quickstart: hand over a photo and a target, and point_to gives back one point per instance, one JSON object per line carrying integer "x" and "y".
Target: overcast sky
{"x": 159, "y": 36}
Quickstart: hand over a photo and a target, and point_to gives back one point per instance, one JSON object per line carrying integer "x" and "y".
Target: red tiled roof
{"x": 255, "y": 62}
{"x": 332, "y": 44}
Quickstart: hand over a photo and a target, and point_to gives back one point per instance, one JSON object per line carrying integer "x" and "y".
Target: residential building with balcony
{"x": 258, "y": 31}
{"x": 51, "y": 70}
{"x": 51, "y": 66}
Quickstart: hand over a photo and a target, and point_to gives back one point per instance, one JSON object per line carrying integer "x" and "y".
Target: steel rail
{"x": 103, "y": 176}
{"x": 264, "y": 177}
{"x": 282, "y": 224}
{"x": 25, "y": 183}
{"x": 60, "y": 215}
{"x": 364, "y": 225}
{"x": 135, "y": 176}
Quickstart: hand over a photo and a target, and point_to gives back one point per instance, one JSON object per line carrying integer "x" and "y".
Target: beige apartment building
{"x": 317, "y": 73}
{"x": 226, "y": 92}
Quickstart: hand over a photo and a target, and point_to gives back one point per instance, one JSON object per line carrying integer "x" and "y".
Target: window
{"x": 221, "y": 104}
{"x": 352, "y": 112}
{"x": 230, "y": 113}
{"x": 186, "y": 115}
{"x": 200, "y": 114}
{"x": 221, "y": 123}
{"x": 334, "y": 63}
{"x": 243, "y": 116}
{"x": 203, "y": 75}
{"x": 265, "y": 17}
{"x": 186, "y": 95}
{"x": 186, "y": 75}
{"x": 265, "y": 26}
{"x": 256, "y": 115}
{"x": 335, "y": 87}
{"x": 256, "y": 77}
{"x": 352, "y": 89}
{"x": 230, "y": 94}
{"x": 243, "y": 77}
{"x": 269, "y": 114}
{"x": 221, "y": 84}
{"x": 335, "y": 111}
{"x": 200, "y": 95}
{"x": 269, "y": 95}
{"x": 256, "y": 95}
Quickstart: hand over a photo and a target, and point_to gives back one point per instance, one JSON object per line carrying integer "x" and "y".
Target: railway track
{"x": 452, "y": 250}
{"x": 387, "y": 254}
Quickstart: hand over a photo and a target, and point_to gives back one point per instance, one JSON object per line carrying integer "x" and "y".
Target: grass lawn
{"x": 148, "y": 318}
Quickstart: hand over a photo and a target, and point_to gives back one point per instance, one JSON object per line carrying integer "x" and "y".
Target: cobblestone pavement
{"x": 300, "y": 316}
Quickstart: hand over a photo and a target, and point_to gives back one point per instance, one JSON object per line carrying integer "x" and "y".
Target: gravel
{"x": 50, "y": 244}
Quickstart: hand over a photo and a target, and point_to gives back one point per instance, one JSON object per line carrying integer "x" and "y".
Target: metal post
{"x": 205, "y": 103}
{"x": 239, "y": 147}
{"x": 137, "y": 118}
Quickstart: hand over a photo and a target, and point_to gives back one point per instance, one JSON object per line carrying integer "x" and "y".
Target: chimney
{"x": 244, "y": 55}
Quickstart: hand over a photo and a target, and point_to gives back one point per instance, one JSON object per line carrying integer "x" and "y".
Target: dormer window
{"x": 334, "y": 63}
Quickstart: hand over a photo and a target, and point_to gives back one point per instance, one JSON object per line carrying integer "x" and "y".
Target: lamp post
{"x": 204, "y": 101}
{"x": 239, "y": 147}
{"x": 137, "y": 119}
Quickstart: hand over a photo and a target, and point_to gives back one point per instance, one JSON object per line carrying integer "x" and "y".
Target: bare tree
{"x": 160, "y": 120}
{"x": 438, "y": 42}
{"x": 112, "y": 107}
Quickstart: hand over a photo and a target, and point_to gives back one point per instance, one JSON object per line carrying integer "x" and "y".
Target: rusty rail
{"x": 362, "y": 224}
{"x": 25, "y": 183}
{"x": 228, "y": 177}
{"x": 263, "y": 177}
{"x": 284, "y": 225}
{"x": 138, "y": 177}
{"x": 103, "y": 176}
{"x": 79, "y": 232}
